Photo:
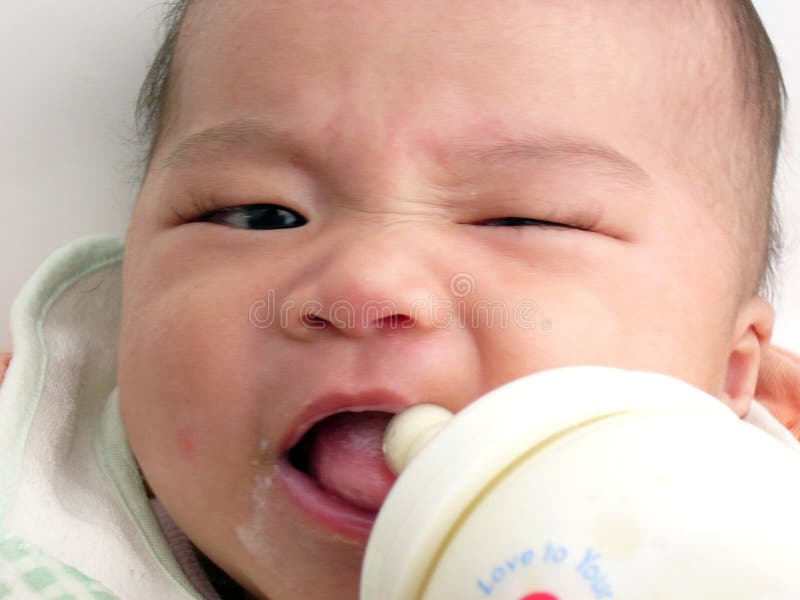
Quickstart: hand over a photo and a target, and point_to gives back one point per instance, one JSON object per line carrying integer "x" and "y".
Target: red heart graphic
{"x": 540, "y": 596}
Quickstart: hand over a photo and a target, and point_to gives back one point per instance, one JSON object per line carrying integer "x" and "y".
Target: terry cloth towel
{"x": 73, "y": 509}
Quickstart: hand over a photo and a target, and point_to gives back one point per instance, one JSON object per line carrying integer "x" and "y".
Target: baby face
{"x": 363, "y": 206}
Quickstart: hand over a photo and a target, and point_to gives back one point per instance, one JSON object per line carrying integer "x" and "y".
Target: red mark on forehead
{"x": 363, "y": 117}
{"x": 540, "y": 596}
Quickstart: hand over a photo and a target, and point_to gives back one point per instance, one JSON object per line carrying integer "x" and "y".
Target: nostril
{"x": 393, "y": 322}
{"x": 313, "y": 321}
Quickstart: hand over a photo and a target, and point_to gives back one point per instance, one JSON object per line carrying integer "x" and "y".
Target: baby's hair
{"x": 764, "y": 94}
{"x": 759, "y": 76}
{"x": 153, "y": 95}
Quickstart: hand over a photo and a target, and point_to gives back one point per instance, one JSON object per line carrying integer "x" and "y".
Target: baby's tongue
{"x": 346, "y": 457}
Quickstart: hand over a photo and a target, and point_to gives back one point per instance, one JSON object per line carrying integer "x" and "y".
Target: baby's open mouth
{"x": 343, "y": 454}
{"x": 339, "y": 469}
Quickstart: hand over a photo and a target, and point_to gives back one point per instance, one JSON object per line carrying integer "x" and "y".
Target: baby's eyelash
{"x": 201, "y": 206}
{"x": 261, "y": 216}
{"x": 524, "y": 222}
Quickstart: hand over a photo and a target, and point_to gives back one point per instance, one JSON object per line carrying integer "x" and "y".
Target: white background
{"x": 70, "y": 74}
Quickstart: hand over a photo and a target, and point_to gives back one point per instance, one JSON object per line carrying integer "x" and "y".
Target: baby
{"x": 610, "y": 162}
{"x": 353, "y": 207}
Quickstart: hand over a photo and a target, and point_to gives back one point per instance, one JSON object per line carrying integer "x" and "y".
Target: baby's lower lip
{"x": 331, "y": 512}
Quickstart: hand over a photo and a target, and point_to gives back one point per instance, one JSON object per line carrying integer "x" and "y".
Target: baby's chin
{"x": 307, "y": 565}
{"x": 272, "y": 549}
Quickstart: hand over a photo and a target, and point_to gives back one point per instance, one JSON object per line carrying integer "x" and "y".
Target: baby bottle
{"x": 586, "y": 483}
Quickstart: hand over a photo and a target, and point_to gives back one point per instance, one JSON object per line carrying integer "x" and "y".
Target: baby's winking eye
{"x": 255, "y": 216}
{"x": 523, "y": 222}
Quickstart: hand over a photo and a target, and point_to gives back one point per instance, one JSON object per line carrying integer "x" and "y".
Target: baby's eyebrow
{"x": 511, "y": 151}
{"x": 247, "y": 134}
{"x": 256, "y": 136}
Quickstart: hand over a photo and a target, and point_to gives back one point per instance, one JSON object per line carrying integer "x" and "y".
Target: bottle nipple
{"x": 409, "y": 431}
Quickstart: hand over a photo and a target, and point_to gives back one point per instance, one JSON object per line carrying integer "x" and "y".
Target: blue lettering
{"x": 589, "y": 557}
{"x": 556, "y": 554}
{"x": 602, "y": 591}
{"x": 486, "y": 589}
{"x": 498, "y": 575}
{"x": 527, "y": 557}
{"x": 593, "y": 574}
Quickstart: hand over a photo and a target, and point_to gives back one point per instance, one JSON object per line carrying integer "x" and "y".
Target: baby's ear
{"x": 751, "y": 337}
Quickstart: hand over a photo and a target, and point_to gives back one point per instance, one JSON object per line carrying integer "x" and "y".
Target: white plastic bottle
{"x": 586, "y": 483}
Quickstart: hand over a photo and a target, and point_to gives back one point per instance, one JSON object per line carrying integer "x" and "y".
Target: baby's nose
{"x": 369, "y": 287}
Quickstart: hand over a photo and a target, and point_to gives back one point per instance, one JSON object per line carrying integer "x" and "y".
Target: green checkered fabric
{"x": 27, "y": 572}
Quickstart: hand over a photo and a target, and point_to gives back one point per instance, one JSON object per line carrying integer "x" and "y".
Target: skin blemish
{"x": 186, "y": 445}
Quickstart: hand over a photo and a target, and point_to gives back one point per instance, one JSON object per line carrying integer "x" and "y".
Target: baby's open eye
{"x": 255, "y": 216}
{"x": 522, "y": 222}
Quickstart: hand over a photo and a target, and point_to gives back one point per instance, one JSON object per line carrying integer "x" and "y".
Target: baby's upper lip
{"x": 330, "y": 403}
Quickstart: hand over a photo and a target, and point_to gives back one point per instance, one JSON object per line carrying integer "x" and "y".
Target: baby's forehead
{"x": 559, "y": 52}
{"x": 625, "y": 76}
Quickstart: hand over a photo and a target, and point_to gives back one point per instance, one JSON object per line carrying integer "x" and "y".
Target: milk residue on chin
{"x": 252, "y": 533}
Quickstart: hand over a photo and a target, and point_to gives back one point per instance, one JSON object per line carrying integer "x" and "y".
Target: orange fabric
{"x": 5, "y": 358}
{"x": 778, "y": 387}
